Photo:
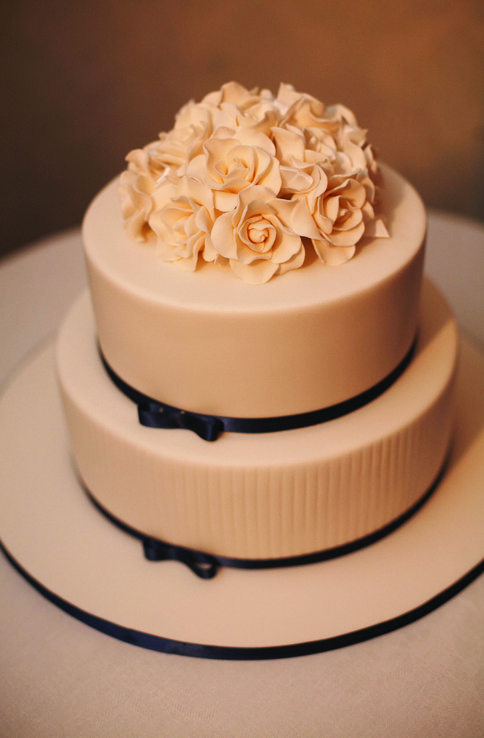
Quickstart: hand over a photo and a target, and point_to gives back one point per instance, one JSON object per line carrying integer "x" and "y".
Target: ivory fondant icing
{"x": 77, "y": 559}
{"x": 265, "y": 495}
{"x": 209, "y": 343}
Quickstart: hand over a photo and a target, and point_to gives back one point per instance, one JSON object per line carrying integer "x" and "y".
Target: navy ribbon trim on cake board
{"x": 236, "y": 653}
{"x": 206, "y": 565}
{"x": 155, "y": 414}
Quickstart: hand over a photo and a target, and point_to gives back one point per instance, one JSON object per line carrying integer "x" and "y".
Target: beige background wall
{"x": 84, "y": 82}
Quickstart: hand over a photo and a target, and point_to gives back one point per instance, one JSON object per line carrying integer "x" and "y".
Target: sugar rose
{"x": 255, "y": 239}
{"x": 136, "y": 204}
{"x": 247, "y": 179}
{"x": 182, "y": 218}
{"x": 232, "y": 161}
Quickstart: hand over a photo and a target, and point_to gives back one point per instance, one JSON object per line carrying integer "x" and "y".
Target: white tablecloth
{"x": 61, "y": 678}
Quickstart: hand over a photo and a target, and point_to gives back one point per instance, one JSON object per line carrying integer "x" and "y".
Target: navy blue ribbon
{"x": 206, "y": 565}
{"x": 163, "y": 644}
{"x": 203, "y": 565}
{"x": 155, "y": 414}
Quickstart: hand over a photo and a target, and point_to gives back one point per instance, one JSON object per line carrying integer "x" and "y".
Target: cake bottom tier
{"x": 263, "y": 496}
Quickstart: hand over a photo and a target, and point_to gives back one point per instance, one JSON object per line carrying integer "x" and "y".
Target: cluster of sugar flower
{"x": 249, "y": 179}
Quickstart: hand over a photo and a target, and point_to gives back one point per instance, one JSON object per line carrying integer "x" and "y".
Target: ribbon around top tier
{"x": 155, "y": 414}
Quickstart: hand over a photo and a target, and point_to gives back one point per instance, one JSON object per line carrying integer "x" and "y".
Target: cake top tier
{"x": 254, "y": 182}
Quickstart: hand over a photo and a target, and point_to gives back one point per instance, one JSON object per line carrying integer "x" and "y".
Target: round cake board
{"x": 62, "y": 545}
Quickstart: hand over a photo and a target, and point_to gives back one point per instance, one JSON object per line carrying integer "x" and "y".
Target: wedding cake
{"x": 259, "y": 388}
{"x": 260, "y": 377}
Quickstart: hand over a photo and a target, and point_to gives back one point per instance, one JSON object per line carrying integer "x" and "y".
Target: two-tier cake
{"x": 259, "y": 377}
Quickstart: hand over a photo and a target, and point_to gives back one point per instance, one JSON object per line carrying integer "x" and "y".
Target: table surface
{"x": 61, "y": 678}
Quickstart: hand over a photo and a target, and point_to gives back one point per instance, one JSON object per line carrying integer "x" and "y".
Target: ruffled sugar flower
{"x": 255, "y": 239}
{"x": 338, "y": 214}
{"x": 235, "y": 107}
{"x": 333, "y": 213}
{"x": 135, "y": 191}
{"x": 233, "y": 161}
{"x": 182, "y": 219}
{"x": 248, "y": 179}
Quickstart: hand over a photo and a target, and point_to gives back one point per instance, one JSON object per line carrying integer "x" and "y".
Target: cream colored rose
{"x": 339, "y": 215}
{"x": 232, "y": 93}
{"x": 307, "y": 167}
{"x": 178, "y": 147}
{"x": 193, "y": 126}
{"x": 182, "y": 218}
{"x": 231, "y": 162}
{"x": 175, "y": 149}
{"x": 335, "y": 213}
{"x": 298, "y": 149}
{"x": 194, "y": 115}
{"x": 147, "y": 161}
{"x": 254, "y": 238}
{"x": 233, "y": 106}
{"x": 298, "y": 160}
{"x": 136, "y": 203}
{"x": 307, "y": 112}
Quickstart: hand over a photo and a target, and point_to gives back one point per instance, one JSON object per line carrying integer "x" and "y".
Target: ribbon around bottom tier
{"x": 156, "y": 414}
{"x": 206, "y": 565}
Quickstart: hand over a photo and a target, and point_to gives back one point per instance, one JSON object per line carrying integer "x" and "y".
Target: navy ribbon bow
{"x": 154, "y": 414}
{"x": 202, "y": 564}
